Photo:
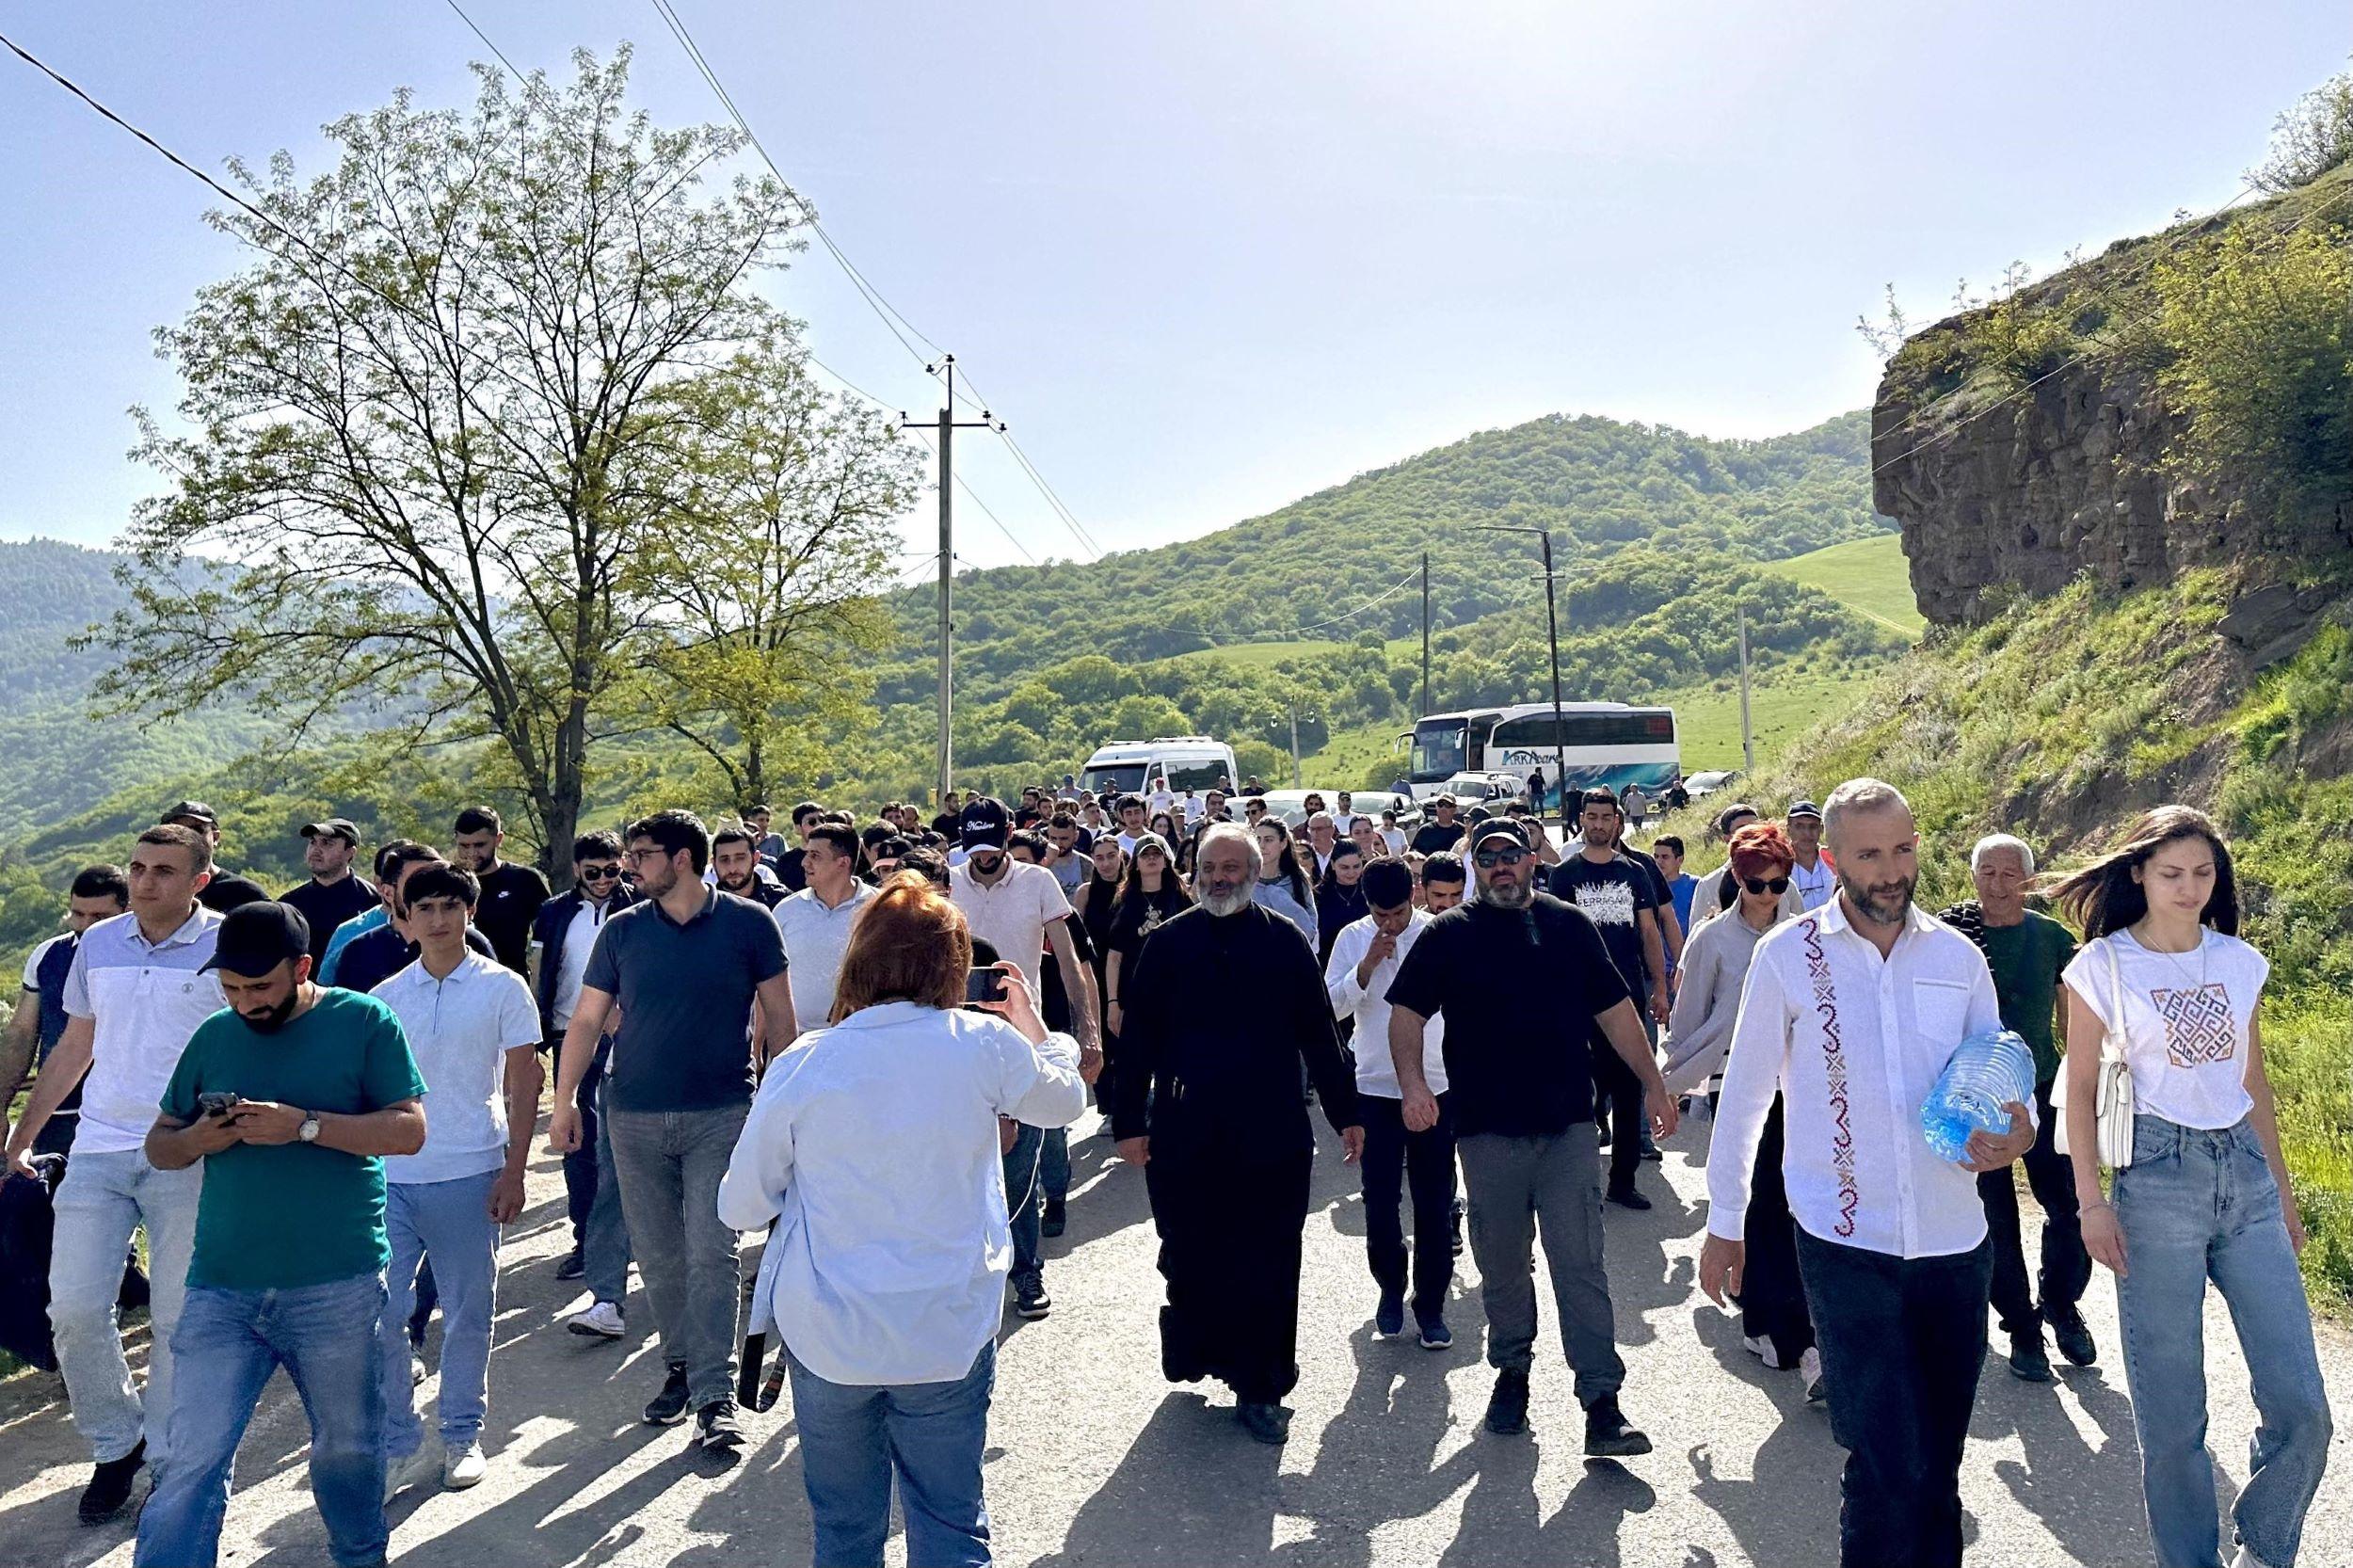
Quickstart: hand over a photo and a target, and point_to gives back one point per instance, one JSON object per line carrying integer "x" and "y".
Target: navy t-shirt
{"x": 686, "y": 994}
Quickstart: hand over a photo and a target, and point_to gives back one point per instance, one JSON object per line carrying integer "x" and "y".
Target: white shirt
{"x": 144, "y": 999}
{"x": 1194, "y": 807}
{"x": 1395, "y": 839}
{"x": 1344, "y": 822}
{"x": 2184, "y": 1025}
{"x": 1129, "y": 842}
{"x": 815, "y": 938}
{"x": 1813, "y": 888}
{"x": 461, "y": 1029}
{"x": 1160, "y": 800}
{"x": 873, "y": 1145}
{"x": 1854, "y": 1043}
{"x": 1011, "y": 913}
{"x": 580, "y": 939}
{"x": 1369, "y": 1004}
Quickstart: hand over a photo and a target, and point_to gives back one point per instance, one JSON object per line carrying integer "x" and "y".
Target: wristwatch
{"x": 308, "y": 1131}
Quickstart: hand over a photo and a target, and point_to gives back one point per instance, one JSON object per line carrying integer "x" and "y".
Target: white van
{"x": 1192, "y": 763}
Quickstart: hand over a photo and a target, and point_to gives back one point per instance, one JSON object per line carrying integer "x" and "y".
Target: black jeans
{"x": 1901, "y": 1342}
{"x": 2066, "y": 1267}
{"x": 1618, "y": 1095}
{"x": 580, "y": 1165}
{"x": 1393, "y": 1160}
{"x": 1772, "y": 1296}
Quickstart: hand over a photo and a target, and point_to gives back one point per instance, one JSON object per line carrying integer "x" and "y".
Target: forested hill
{"x": 1322, "y": 564}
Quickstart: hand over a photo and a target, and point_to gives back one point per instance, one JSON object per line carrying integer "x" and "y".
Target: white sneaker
{"x": 601, "y": 1321}
{"x": 1762, "y": 1348}
{"x": 413, "y": 1469}
{"x": 465, "y": 1467}
{"x": 1810, "y": 1374}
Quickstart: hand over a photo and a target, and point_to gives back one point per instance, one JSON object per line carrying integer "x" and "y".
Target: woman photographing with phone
{"x": 2161, "y": 1014}
{"x": 873, "y": 1146}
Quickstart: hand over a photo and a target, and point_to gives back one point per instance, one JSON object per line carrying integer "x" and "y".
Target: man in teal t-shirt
{"x": 291, "y": 1096}
{"x": 2027, "y": 949}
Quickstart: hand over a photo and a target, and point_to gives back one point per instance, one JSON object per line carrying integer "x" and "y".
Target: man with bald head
{"x": 1850, "y": 1012}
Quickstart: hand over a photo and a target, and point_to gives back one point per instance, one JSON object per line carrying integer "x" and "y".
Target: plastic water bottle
{"x": 1988, "y": 1071}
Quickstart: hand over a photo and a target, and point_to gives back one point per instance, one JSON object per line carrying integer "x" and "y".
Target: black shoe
{"x": 1388, "y": 1318}
{"x": 2028, "y": 1361}
{"x": 1506, "y": 1407}
{"x": 1268, "y": 1423}
{"x": 716, "y": 1428}
{"x": 1626, "y": 1197}
{"x": 1606, "y": 1434}
{"x": 573, "y": 1265}
{"x": 1031, "y": 1302}
{"x": 1435, "y": 1336}
{"x": 2072, "y": 1336}
{"x": 1054, "y": 1219}
{"x": 110, "y": 1485}
{"x": 669, "y": 1408}
{"x": 1454, "y": 1227}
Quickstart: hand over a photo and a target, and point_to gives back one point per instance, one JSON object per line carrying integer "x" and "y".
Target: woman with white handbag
{"x": 2165, "y": 1085}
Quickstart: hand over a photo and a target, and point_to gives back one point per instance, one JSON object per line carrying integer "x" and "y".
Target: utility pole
{"x": 1425, "y": 632}
{"x": 1748, "y": 741}
{"x": 949, "y": 425}
{"x": 1298, "y": 778}
{"x": 1552, "y": 630}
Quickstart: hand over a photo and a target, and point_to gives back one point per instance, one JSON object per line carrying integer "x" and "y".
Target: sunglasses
{"x": 599, "y": 874}
{"x": 1762, "y": 885}
{"x": 1488, "y": 859}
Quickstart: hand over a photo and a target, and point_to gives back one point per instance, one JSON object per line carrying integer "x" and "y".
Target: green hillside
{"x": 1869, "y": 576}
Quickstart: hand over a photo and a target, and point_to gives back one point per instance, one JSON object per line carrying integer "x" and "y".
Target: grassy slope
{"x": 1870, "y": 576}
{"x": 2063, "y": 718}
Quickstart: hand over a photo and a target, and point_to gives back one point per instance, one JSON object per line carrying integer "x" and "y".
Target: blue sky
{"x": 1208, "y": 258}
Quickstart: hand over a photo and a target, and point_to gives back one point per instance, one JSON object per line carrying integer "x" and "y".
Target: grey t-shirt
{"x": 686, "y": 994}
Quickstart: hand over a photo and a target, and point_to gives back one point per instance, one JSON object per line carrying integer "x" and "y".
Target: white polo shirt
{"x": 144, "y": 999}
{"x": 1011, "y": 913}
{"x": 461, "y": 1029}
{"x": 815, "y": 939}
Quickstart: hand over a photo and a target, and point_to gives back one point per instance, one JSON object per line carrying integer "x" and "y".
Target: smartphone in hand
{"x": 984, "y": 984}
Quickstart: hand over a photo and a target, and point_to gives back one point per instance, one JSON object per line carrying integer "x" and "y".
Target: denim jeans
{"x": 1394, "y": 1159}
{"x": 1054, "y": 1164}
{"x": 2066, "y": 1267}
{"x": 1021, "y": 1205}
{"x": 105, "y": 1197}
{"x": 450, "y": 1223}
{"x": 669, "y": 1163}
{"x": 1902, "y": 1340}
{"x": 1553, "y": 1180}
{"x": 580, "y": 1166}
{"x": 229, "y": 1342}
{"x": 2195, "y": 1205}
{"x": 604, "y": 1250}
{"x": 855, "y": 1436}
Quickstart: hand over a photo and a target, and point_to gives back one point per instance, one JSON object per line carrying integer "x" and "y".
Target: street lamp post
{"x": 1552, "y": 631}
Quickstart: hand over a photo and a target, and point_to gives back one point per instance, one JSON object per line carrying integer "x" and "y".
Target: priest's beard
{"x": 1228, "y": 900}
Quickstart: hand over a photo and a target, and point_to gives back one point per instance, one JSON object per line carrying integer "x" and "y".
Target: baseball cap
{"x": 334, "y": 827}
{"x": 1500, "y": 827}
{"x": 1805, "y": 808}
{"x": 255, "y": 938}
{"x": 194, "y": 808}
{"x": 984, "y": 823}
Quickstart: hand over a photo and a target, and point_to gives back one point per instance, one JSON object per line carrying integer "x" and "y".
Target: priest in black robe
{"x": 1222, "y": 1008}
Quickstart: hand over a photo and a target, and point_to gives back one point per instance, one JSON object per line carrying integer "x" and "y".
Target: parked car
{"x": 1291, "y": 805}
{"x": 1702, "y": 785}
{"x": 1469, "y": 789}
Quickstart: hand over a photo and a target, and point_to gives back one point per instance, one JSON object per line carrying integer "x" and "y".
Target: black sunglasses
{"x": 1761, "y": 885}
{"x": 599, "y": 874}
{"x": 1488, "y": 859}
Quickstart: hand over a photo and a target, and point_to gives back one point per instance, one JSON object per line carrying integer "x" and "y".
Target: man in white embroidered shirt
{"x": 1852, "y": 1012}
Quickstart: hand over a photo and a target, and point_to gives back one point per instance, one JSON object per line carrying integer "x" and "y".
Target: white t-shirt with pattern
{"x": 2185, "y": 1018}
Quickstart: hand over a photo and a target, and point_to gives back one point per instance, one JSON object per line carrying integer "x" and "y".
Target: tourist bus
{"x": 1612, "y": 743}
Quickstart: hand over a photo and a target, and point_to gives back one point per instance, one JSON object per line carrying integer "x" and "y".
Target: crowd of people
{"x": 868, "y": 1041}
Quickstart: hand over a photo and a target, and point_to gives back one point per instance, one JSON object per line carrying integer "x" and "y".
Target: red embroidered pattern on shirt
{"x": 1835, "y": 1074}
{"x": 2197, "y": 1024}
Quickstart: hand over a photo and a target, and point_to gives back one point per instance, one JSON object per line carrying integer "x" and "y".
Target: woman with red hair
{"x": 1774, "y": 1323}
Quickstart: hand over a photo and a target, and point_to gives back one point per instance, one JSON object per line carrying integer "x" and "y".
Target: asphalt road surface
{"x": 1093, "y": 1460}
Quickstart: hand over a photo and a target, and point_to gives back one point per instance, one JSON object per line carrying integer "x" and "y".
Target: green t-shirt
{"x": 2026, "y": 960}
{"x": 283, "y": 1215}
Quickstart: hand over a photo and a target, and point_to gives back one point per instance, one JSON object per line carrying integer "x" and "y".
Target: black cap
{"x": 1805, "y": 808}
{"x": 983, "y": 824}
{"x": 1500, "y": 827}
{"x": 255, "y": 938}
{"x": 193, "y": 809}
{"x": 334, "y": 827}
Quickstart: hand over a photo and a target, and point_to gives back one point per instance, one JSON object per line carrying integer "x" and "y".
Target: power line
{"x": 520, "y": 80}
{"x": 920, "y": 434}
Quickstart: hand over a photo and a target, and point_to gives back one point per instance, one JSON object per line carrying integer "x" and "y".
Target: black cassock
{"x": 1221, "y": 1014}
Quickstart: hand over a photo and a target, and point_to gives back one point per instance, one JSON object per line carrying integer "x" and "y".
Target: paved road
{"x": 1095, "y": 1461}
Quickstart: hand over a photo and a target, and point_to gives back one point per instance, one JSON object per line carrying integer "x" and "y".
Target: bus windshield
{"x": 1438, "y": 750}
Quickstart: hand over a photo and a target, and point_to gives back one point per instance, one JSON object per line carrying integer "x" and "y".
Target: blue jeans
{"x": 1054, "y": 1164}
{"x": 1021, "y": 1205}
{"x": 103, "y": 1199}
{"x": 669, "y": 1163}
{"x": 933, "y": 1434}
{"x": 2195, "y": 1205}
{"x": 604, "y": 1253}
{"x": 227, "y": 1343}
{"x": 450, "y": 1223}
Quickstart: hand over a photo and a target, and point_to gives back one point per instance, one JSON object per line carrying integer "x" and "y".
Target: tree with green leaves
{"x": 432, "y": 429}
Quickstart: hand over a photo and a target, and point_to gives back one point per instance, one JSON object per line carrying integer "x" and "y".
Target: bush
{"x": 2310, "y": 139}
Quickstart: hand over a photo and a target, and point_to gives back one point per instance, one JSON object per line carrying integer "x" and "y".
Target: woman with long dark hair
{"x": 1284, "y": 885}
{"x": 1151, "y": 894}
{"x": 2164, "y": 983}
{"x": 1339, "y": 897}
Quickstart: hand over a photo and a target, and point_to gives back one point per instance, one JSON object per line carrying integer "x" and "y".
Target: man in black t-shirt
{"x": 1441, "y": 832}
{"x": 333, "y": 894}
{"x": 511, "y": 894}
{"x": 1623, "y": 898}
{"x": 1523, "y": 982}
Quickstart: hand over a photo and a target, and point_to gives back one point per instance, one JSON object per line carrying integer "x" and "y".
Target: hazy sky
{"x": 1209, "y": 257}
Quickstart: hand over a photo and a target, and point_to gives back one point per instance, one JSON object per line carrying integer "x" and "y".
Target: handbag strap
{"x": 2112, "y": 1043}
